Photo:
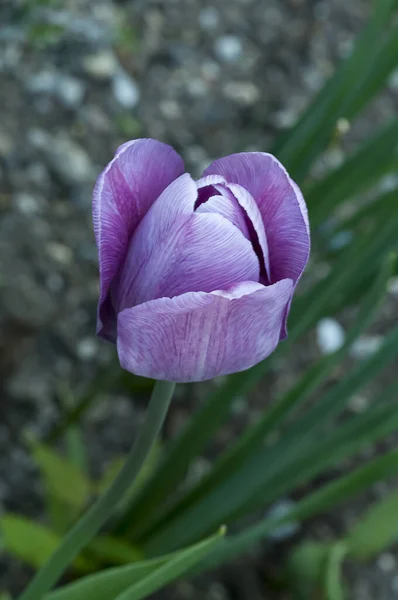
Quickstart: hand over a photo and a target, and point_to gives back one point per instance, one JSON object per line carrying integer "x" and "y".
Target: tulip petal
{"x": 198, "y": 336}
{"x": 175, "y": 251}
{"x": 125, "y": 190}
{"x": 227, "y": 208}
{"x": 253, "y": 228}
{"x": 281, "y": 205}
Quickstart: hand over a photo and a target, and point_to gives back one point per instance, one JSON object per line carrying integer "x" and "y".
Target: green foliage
{"x": 67, "y": 488}
{"x": 376, "y": 530}
{"x": 138, "y": 580}
{"x": 31, "y": 542}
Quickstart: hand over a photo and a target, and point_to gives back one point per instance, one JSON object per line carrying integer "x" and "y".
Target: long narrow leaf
{"x": 212, "y": 413}
{"x": 173, "y": 569}
{"x": 273, "y": 472}
{"x": 315, "y": 503}
{"x": 372, "y": 160}
{"x": 339, "y": 96}
{"x": 252, "y": 438}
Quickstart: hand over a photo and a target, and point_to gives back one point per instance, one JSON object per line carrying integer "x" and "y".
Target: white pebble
{"x": 125, "y": 90}
{"x": 386, "y": 562}
{"x": 209, "y": 18}
{"x": 228, "y": 48}
{"x": 241, "y": 92}
{"x": 70, "y": 91}
{"x": 26, "y": 203}
{"x": 365, "y": 346}
{"x": 86, "y": 348}
{"x": 393, "y": 286}
{"x": 330, "y": 335}
{"x": 281, "y": 509}
{"x": 101, "y": 65}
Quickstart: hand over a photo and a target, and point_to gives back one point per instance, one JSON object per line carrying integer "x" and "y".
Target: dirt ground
{"x": 77, "y": 79}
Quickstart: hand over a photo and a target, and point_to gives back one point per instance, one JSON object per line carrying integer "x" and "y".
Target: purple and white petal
{"x": 281, "y": 205}
{"x": 187, "y": 253}
{"x": 198, "y": 336}
{"x": 227, "y": 208}
{"x": 125, "y": 190}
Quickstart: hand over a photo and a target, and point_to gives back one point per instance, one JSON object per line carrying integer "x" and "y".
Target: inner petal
{"x": 228, "y": 208}
{"x": 236, "y": 204}
{"x": 203, "y": 252}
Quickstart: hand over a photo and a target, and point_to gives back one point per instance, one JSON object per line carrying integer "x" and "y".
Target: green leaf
{"x": 298, "y": 148}
{"x": 252, "y": 439}
{"x": 349, "y": 271}
{"x": 334, "y": 576}
{"x": 115, "y": 466}
{"x": 147, "y": 575}
{"x": 377, "y": 530}
{"x": 275, "y": 471}
{"x": 317, "y": 502}
{"x": 113, "y": 550}
{"x": 31, "y": 542}
{"x": 306, "y": 568}
{"x": 63, "y": 480}
{"x": 106, "y": 584}
{"x": 104, "y": 381}
{"x": 359, "y": 171}
{"x": 173, "y": 569}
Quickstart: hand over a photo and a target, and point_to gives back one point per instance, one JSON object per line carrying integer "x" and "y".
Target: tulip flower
{"x": 196, "y": 277}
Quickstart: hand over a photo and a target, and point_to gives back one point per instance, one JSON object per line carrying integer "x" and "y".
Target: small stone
{"x": 6, "y": 144}
{"x": 125, "y": 90}
{"x": 330, "y": 335}
{"x": 228, "y": 48}
{"x": 70, "y": 91}
{"x": 358, "y": 404}
{"x": 54, "y": 282}
{"x": 209, "y": 18}
{"x": 393, "y": 286}
{"x": 365, "y": 346}
{"x": 285, "y": 118}
{"x": 60, "y": 253}
{"x": 340, "y": 240}
{"x": 210, "y": 71}
{"x": 70, "y": 161}
{"x": 279, "y": 510}
{"x": 386, "y": 562}
{"x": 101, "y": 65}
{"x": 197, "y": 87}
{"x": 170, "y": 109}
{"x": 86, "y": 349}
{"x": 26, "y": 203}
{"x": 244, "y": 93}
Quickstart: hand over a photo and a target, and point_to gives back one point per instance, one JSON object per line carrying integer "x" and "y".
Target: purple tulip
{"x": 196, "y": 277}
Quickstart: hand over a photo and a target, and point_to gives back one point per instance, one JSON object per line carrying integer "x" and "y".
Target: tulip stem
{"x": 90, "y": 523}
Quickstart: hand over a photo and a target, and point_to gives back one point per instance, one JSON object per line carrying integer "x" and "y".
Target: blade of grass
{"x": 253, "y": 437}
{"x": 317, "y": 502}
{"x": 309, "y": 137}
{"x": 359, "y": 171}
{"x": 273, "y": 472}
{"x": 212, "y": 413}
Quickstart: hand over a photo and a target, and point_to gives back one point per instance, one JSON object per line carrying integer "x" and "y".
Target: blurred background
{"x": 78, "y": 78}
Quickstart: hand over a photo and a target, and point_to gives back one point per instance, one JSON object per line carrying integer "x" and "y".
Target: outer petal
{"x": 176, "y": 250}
{"x": 281, "y": 205}
{"x": 125, "y": 190}
{"x": 197, "y": 336}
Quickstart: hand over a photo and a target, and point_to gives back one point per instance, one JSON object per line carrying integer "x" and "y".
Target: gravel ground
{"x": 77, "y": 79}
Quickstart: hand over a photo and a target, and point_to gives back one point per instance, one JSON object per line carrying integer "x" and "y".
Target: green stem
{"x": 86, "y": 528}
